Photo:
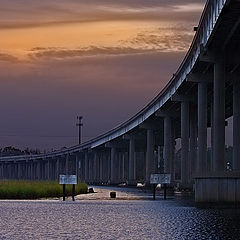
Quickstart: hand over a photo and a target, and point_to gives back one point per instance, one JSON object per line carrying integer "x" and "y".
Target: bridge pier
{"x": 132, "y": 162}
{"x": 114, "y": 178}
{"x": 219, "y": 116}
{"x": 236, "y": 124}
{"x": 149, "y": 156}
{"x": 193, "y": 143}
{"x": 101, "y": 179}
{"x": 185, "y": 143}
{"x": 86, "y": 166}
{"x": 167, "y": 150}
{"x": 220, "y": 186}
{"x": 202, "y": 129}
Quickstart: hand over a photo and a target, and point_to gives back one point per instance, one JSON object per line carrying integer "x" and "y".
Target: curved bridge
{"x": 202, "y": 94}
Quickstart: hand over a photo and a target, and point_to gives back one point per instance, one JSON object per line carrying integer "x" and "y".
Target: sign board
{"x": 160, "y": 178}
{"x": 67, "y": 179}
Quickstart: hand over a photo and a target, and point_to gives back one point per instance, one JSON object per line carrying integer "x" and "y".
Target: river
{"x": 133, "y": 215}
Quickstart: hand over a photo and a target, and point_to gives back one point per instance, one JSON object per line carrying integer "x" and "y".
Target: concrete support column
{"x": 86, "y": 164}
{"x": 114, "y": 166}
{"x": 32, "y": 170}
{"x": 57, "y": 172}
{"x": 1, "y": 167}
{"x": 67, "y": 164}
{"x": 48, "y": 169}
{"x": 219, "y": 117}
{"x": 132, "y": 162}
{"x": 77, "y": 161}
{"x": 202, "y": 129}
{"x": 149, "y": 155}
{"x": 236, "y": 125}
{"x": 123, "y": 166}
{"x": 28, "y": 170}
{"x": 210, "y": 167}
{"x": 101, "y": 168}
{"x": 193, "y": 143}
{"x": 167, "y": 150}
{"x": 95, "y": 158}
{"x": 173, "y": 157}
{"x": 90, "y": 169}
{"x": 98, "y": 168}
{"x": 185, "y": 142}
{"x": 38, "y": 169}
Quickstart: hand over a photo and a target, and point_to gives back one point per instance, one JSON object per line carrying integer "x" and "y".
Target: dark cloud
{"x": 8, "y": 58}
{"x": 28, "y": 14}
{"x": 61, "y": 53}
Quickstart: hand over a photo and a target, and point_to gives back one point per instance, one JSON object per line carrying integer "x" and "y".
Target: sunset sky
{"x": 102, "y": 59}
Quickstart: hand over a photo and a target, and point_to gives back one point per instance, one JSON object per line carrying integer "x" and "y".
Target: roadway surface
{"x": 131, "y": 216}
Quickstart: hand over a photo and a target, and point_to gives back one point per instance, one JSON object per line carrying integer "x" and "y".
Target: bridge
{"x": 202, "y": 94}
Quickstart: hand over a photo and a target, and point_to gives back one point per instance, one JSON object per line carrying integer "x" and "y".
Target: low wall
{"x": 218, "y": 188}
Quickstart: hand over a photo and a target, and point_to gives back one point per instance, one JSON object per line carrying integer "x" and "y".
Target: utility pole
{"x": 79, "y": 125}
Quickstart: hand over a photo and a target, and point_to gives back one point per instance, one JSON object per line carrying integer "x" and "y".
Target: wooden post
{"x": 154, "y": 191}
{"x": 64, "y": 187}
{"x": 73, "y": 192}
{"x": 165, "y": 191}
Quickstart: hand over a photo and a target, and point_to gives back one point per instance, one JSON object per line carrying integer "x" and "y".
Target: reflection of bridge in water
{"x": 203, "y": 92}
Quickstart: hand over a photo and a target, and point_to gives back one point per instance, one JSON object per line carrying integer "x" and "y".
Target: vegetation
{"x": 37, "y": 189}
{"x": 12, "y": 151}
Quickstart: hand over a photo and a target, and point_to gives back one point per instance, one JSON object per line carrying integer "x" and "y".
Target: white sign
{"x": 67, "y": 179}
{"x": 160, "y": 178}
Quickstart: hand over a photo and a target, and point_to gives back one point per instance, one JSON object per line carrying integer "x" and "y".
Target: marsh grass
{"x": 37, "y": 189}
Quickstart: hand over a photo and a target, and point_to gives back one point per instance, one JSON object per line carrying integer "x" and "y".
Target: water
{"x": 176, "y": 218}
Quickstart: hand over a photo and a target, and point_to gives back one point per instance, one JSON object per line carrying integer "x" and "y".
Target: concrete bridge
{"x": 202, "y": 94}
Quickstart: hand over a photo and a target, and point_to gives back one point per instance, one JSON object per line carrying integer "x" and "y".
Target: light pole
{"x": 79, "y": 125}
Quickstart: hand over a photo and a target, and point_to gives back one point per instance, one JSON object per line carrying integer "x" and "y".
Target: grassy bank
{"x": 37, "y": 189}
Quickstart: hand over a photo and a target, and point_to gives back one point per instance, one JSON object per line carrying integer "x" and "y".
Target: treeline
{"x": 12, "y": 151}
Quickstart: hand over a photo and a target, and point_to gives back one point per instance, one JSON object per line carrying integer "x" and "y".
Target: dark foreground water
{"x": 116, "y": 219}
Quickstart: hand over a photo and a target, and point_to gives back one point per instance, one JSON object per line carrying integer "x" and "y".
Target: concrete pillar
{"x": 86, "y": 164}
{"x": 108, "y": 161}
{"x": 184, "y": 142}
{"x": 32, "y": 170}
{"x": 95, "y": 157}
{"x": 210, "y": 167}
{"x": 80, "y": 168}
{"x": 193, "y": 143}
{"x": 57, "y": 172}
{"x": 236, "y": 125}
{"x": 219, "y": 117}
{"x": 48, "y": 169}
{"x": 114, "y": 166}
{"x": 173, "y": 157}
{"x": 1, "y": 172}
{"x": 167, "y": 150}
{"x": 67, "y": 164}
{"x": 101, "y": 168}
{"x": 124, "y": 166}
{"x": 77, "y": 161}
{"x": 27, "y": 170}
{"x": 149, "y": 155}
{"x": 132, "y": 162}
{"x": 90, "y": 168}
{"x": 39, "y": 169}
{"x": 202, "y": 129}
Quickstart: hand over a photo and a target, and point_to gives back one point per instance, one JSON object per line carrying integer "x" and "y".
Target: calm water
{"x": 116, "y": 219}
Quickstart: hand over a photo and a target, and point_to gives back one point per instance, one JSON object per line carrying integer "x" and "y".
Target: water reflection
{"x": 176, "y": 218}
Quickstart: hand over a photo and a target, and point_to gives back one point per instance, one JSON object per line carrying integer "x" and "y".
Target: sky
{"x": 102, "y": 59}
